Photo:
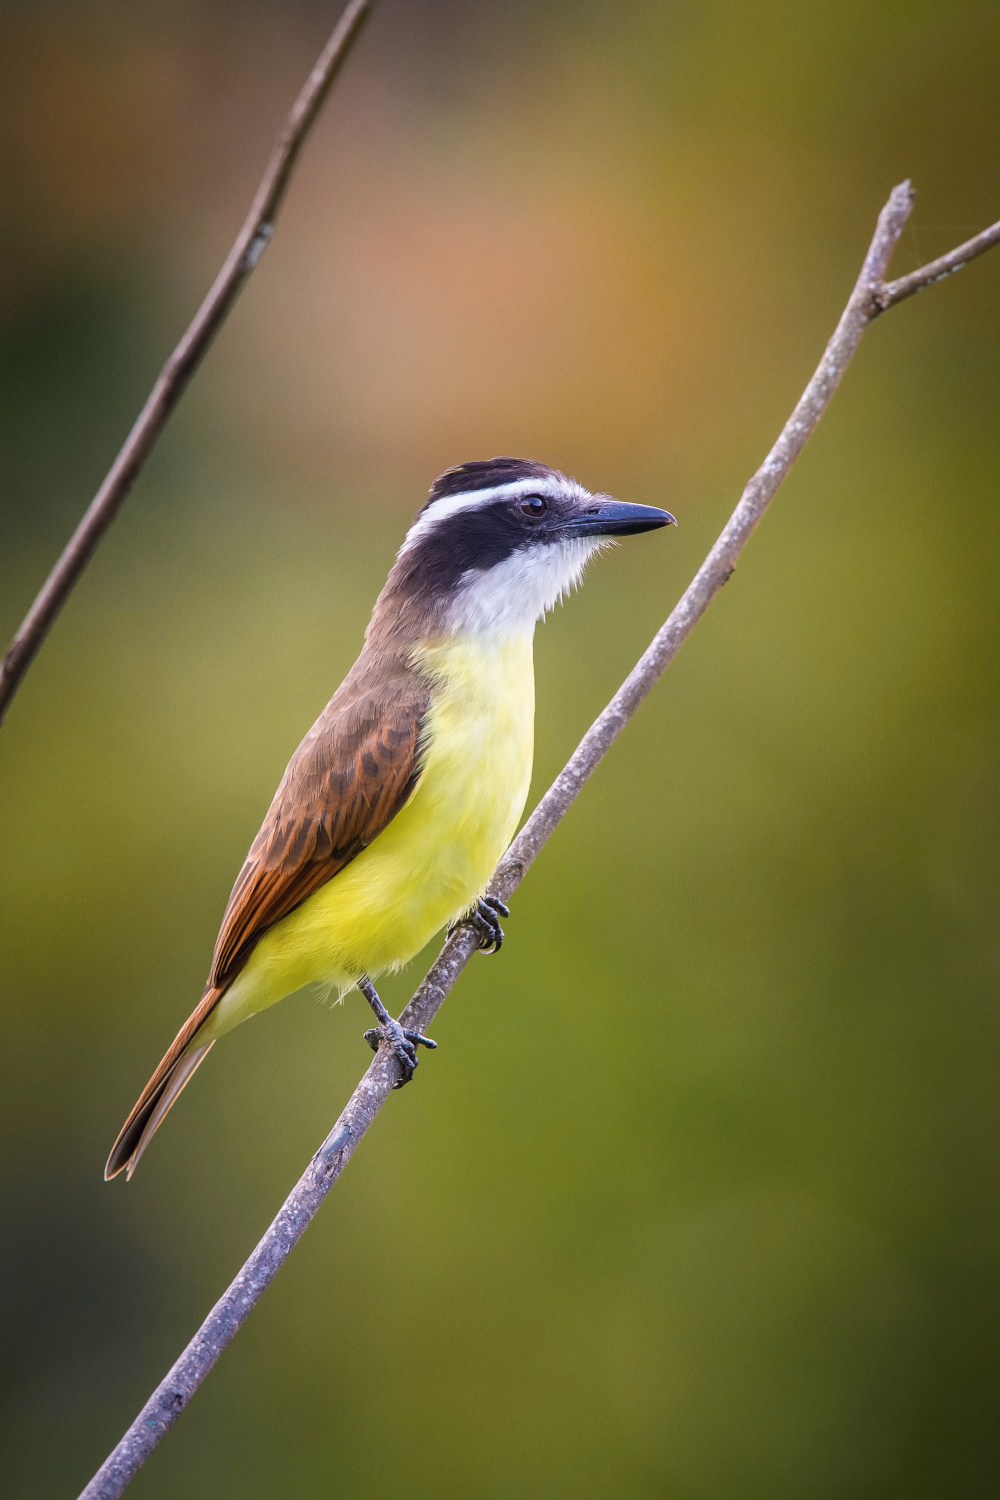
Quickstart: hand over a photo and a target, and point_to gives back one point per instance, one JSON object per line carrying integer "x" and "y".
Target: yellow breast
{"x": 439, "y": 852}
{"x": 436, "y": 856}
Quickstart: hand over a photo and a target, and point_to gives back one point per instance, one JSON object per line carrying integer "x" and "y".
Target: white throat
{"x": 507, "y": 599}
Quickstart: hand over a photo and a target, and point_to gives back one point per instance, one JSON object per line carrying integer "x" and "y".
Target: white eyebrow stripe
{"x": 440, "y": 510}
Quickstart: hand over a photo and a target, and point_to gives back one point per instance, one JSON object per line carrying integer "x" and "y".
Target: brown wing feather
{"x": 351, "y": 774}
{"x": 347, "y": 780}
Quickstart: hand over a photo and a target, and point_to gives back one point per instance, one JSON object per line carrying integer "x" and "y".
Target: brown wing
{"x": 352, "y": 773}
{"x": 347, "y": 780}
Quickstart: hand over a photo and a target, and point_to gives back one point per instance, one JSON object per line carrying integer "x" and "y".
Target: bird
{"x": 395, "y": 808}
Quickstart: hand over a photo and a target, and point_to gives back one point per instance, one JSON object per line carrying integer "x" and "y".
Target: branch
{"x": 936, "y": 270}
{"x": 231, "y": 1311}
{"x": 174, "y": 378}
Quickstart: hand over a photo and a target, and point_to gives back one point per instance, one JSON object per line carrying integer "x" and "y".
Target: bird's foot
{"x": 484, "y": 919}
{"x": 403, "y": 1043}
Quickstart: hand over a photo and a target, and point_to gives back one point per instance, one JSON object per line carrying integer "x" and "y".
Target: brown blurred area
{"x": 742, "y": 1241}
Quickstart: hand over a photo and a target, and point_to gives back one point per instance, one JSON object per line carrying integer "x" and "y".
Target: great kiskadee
{"x": 399, "y": 802}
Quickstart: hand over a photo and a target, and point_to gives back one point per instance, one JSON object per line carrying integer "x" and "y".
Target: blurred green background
{"x": 699, "y": 1198}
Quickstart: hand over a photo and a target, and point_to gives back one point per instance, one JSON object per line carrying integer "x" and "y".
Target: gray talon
{"x": 403, "y": 1043}
{"x": 484, "y": 920}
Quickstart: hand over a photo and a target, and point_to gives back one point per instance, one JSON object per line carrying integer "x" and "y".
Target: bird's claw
{"x": 484, "y": 919}
{"x": 403, "y": 1043}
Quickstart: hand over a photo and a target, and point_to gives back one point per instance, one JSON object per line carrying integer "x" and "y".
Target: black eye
{"x": 533, "y": 505}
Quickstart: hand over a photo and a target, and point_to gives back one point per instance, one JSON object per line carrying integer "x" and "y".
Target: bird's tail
{"x": 153, "y": 1103}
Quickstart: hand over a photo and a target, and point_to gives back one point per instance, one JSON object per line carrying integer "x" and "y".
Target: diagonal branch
{"x": 174, "y": 378}
{"x": 936, "y": 270}
{"x": 234, "y": 1307}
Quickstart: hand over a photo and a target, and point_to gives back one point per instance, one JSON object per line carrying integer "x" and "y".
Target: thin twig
{"x": 173, "y": 380}
{"x": 231, "y": 1311}
{"x": 936, "y": 270}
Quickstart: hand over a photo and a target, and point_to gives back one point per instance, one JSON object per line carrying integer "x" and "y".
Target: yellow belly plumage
{"x": 436, "y": 856}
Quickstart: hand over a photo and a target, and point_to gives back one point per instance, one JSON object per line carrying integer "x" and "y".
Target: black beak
{"x": 615, "y": 518}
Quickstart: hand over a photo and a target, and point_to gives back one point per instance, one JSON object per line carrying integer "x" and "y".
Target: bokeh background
{"x": 699, "y": 1198}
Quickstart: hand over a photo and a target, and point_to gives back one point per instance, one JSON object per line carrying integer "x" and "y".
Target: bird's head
{"x": 499, "y": 541}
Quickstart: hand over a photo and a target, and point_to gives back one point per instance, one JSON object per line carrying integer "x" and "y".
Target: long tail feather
{"x": 160, "y": 1092}
{"x": 182, "y": 1071}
